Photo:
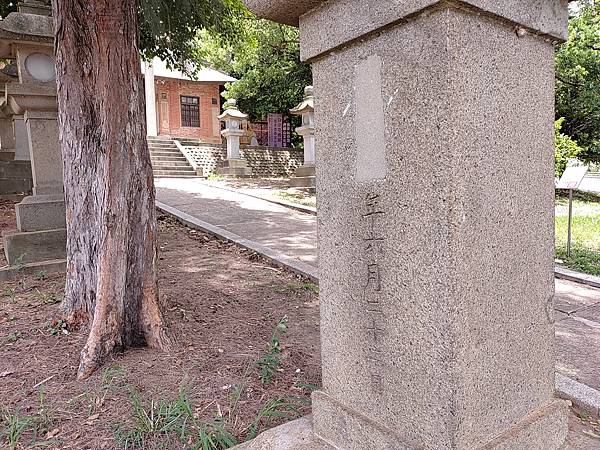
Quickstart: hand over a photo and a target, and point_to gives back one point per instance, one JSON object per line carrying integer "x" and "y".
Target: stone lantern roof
{"x": 232, "y": 112}
{"x": 306, "y": 105}
{"x": 25, "y": 26}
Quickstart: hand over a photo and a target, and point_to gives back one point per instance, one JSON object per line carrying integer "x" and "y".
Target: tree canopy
{"x": 265, "y": 58}
{"x": 578, "y": 80}
{"x": 168, "y": 28}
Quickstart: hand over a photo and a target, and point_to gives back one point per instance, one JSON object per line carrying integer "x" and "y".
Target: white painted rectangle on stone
{"x": 369, "y": 121}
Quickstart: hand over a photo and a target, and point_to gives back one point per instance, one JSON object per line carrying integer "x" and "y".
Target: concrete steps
{"x": 167, "y": 160}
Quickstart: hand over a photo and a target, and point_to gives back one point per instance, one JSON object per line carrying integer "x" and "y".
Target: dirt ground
{"x": 224, "y": 305}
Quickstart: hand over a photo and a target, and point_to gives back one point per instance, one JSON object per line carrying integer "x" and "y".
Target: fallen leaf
{"x": 90, "y": 420}
{"x": 52, "y": 433}
{"x": 591, "y": 433}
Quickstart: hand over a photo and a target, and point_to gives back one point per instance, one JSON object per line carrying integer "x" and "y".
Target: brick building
{"x": 183, "y": 107}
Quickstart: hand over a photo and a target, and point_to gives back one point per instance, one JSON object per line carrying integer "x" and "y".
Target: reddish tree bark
{"x": 109, "y": 189}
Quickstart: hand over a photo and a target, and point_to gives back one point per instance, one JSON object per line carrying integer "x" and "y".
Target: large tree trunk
{"x": 109, "y": 189}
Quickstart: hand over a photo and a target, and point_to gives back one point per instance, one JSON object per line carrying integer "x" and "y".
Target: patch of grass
{"x": 13, "y": 426}
{"x": 169, "y": 421}
{"x": 11, "y": 293}
{"x": 585, "y": 245}
{"x": 297, "y": 288}
{"x": 48, "y": 298}
{"x": 277, "y": 408}
{"x": 297, "y": 197}
{"x": 14, "y": 337}
{"x": 271, "y": 360}
{"x": 41, "y": 275}
{"x": 112, "y": 374}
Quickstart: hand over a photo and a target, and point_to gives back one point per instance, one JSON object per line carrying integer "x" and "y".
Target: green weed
{"x": 14, "y": 337}
{"x": 271, "y": 360}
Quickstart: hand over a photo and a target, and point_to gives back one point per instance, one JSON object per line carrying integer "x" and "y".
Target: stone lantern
{"x": 436, "y": 292}
{"x": 305, "y": 174}
{"x": 27, "y": 37}
{"x": 233, "y": 118}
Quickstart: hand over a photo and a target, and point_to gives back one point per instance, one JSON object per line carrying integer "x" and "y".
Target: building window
{"x": 190, "y": 111}
{"x": 214, "y": 101}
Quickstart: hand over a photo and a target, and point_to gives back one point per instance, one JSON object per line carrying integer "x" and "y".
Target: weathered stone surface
{"x": 15, "y": 169}
{"x": 436, "y": 291}
{"x": 41, "y": 212}
{"x": 46, "y": 163}
{"x": 294, "y": 435}
{"x": 15, "y": 186}
{"x": 458, "y": 348}
{"x": 33, "y": 247}
{"x": 318, "y": 36}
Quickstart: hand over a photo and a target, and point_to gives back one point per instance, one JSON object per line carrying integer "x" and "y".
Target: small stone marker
{"x": 435, "y": 252}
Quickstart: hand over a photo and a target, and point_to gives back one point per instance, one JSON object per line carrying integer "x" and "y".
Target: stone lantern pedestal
{"x": 27, "y": 37}
{"x": 305, "y": 176}
{"x": 435, "y": 222}
{"x": 234, "y": 165}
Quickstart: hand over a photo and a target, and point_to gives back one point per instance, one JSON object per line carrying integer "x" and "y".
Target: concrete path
{"x": 295, "y": 234}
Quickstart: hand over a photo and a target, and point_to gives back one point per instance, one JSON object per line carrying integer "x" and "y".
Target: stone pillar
{"x": 21, "y": 139}
{"x": 436, "y": 203}
{"x": 7, "y": 136}
{"x": 305, "y": 174}
{"x": 234, "y": 165}
{"x": 151, "y": 128}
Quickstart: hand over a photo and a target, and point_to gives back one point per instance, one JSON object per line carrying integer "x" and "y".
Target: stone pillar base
{"x": 36, "y": 246}
{"x": 235, "y": 168}
{"x": 545, "y": 428}
{"x": 41, "y": 212}
{"x": 15, "y": 177}
{"x": 304, "y": 178}
{"x": 7, "y": 155}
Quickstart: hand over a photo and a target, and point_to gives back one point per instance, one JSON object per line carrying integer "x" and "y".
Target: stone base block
{"x": 305, "y": 171}
{"x": 544, "y": 429}
{"x": 294, "y": 435}
{"x": 304, "y": 178}
{"x": 41, "y": 212}
{"x": 235, "y": 168}
{"x": 15, "y": 169}
{"x": 303, "y": 182}
{"x": 7, "y": 155}
{"x": 34, "y": 247}
{"x": 15, "y": 186}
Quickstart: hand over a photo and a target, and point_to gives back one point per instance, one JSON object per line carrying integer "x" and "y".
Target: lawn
{"x": 585, "y": 247}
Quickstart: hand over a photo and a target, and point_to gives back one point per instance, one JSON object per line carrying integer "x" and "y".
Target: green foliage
{"x": 565, "y": 148}
{"x": 168, "y": 27}
{"x": 7, "y": 7}
{"x": 271, "y": 360}
{"x": 14, "y": 425}
{"x": 265, "y": 58}
{"x": 276, "y": 408}
{"x": 585, "y": 250}
{"x": 578, "y": 80}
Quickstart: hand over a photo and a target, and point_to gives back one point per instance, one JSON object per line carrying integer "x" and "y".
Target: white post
{"x": 151, "y": 129}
